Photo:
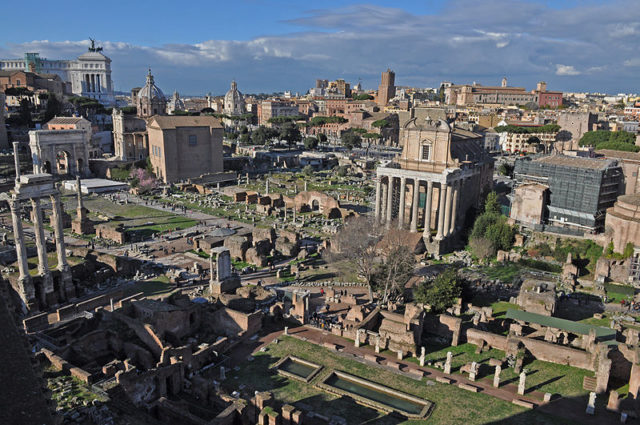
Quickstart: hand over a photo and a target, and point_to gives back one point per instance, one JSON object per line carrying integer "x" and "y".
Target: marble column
{"x": 383, "y": 201}
{"x": 43, "y": 261}
{"x": 448, "y": 210}
{"x": 378, "y": 205}
{"x": 401, "y": 202}
{"x": 441, "y": 210}
{"x": 18, "y": 236}
{"x": 16, "y": 159}
{"x": 454, "y": 207}
{"x": 66, "y": 289}
{"x": 415, "y": 200}
{"x": 389, "y": 199}
{"x": 59, "y": 230}
{"x": 427, "y": 211}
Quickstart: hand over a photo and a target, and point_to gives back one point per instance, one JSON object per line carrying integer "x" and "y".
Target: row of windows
{"x": 156, "y": 151}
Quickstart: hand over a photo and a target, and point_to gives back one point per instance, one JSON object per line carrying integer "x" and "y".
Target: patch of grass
{"x": 452, "y": 404}
{"x": 158, "y": 286}
{"x": 504, "y": 272}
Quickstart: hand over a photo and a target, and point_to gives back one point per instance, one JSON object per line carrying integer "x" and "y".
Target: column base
{"x": 67, "y": 288}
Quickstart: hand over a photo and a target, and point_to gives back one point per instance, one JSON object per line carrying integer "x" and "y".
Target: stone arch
{"x": 63, "y": 162}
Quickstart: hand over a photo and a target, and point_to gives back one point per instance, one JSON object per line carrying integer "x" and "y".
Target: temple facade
{"x": 441, "y": 173}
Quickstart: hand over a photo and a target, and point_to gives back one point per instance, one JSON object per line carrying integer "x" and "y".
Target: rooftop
{"x": 578, "y": 328}
{"x": 170, "y": 122}
{"x": 610, "y": 153}
{"x": 575, "y": 162}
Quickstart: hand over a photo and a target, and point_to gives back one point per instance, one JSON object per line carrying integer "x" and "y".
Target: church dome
{"x": 150, "y": 90}
{"x": 233, "y": 101}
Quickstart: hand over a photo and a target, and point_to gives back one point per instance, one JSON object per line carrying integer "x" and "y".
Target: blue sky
{"x": 199, "y": 46}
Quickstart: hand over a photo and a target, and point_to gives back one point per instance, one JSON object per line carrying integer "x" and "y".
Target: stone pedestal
{"x": 496, "y": 376}
{"x": 447, "y": 363}
{"x": 591, "y": 405}
{"x": 522, "y": 383}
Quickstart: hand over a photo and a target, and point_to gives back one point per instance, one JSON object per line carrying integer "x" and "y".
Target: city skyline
{"x": 582, "y": 46}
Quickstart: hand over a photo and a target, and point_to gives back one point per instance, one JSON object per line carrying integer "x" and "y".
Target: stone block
{"x": 468, "y": 387}
{"x": 444, "y": 380}
{"x": 523, "y": 403}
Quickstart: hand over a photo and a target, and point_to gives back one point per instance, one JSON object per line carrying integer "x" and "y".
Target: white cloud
{"x": 632, "y": 62}
{"x": 566, "y": 70}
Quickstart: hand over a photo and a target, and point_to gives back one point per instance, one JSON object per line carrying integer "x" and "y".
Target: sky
{"x": 199, "y": 46}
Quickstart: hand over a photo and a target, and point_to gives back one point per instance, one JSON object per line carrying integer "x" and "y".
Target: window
{"x": 425, "y": 152}
{"x": 193, "y": 140}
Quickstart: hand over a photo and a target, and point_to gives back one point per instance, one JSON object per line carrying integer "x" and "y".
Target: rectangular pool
{"x": 376, "y": 395}
{"x": 297, "y": 368}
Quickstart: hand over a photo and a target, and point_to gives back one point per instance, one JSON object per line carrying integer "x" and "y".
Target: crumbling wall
{"x": 479, "y": 338}
{"x": 443, "y": 325}
{"x": 231, "y": 322}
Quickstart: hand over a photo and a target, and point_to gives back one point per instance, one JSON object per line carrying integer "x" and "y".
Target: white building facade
{"x": 89, "y": 75}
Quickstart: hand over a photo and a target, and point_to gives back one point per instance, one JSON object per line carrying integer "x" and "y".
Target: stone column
{"x": 54, "y": 161}
{"x": 427, "y": 211}
{"x": 447, "y": 210}
{"x": 378, "y": 200}
{"x": 383, "y": 201}
{"x": 389, "y": 199}
{"x": 43, "y": 261}
{"x": 415, "y": 200}
{"x": 496, "y": 376}
{"x": 16, "y": 159}
{"x": 18, "y": 235}
{"x": 454, "y": 208}
{"x": 59, "y": 228}
{"x": 401, "y": 202}
{"x": 522, "y": 383}
{"x": 447, "y": 363}
{"x": 441, "y": 211}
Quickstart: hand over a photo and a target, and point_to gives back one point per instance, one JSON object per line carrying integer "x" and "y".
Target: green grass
{"x": 504, "y": 272}
{"x": 156, "y": 287}
{"x": 452, "y": 405}
{"x": 544, "y": 376}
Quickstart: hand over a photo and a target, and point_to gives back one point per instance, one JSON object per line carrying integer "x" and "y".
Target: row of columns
{"x": 449, "y": 194}
{"x": 92, "y": 82}
{"x": 47, "y": 296}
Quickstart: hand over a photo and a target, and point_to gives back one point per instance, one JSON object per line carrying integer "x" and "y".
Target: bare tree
{"x": 395, "y": 271}
{"x": 357, "y": 242}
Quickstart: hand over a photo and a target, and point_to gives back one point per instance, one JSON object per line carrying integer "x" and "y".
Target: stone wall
{"x": 230, "y": 322}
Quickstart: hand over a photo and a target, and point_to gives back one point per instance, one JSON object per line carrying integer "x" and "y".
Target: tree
{"x": 362, "y": 96}
{"x": 54, "y": 107}
{"x": 263, "y": 135}
{"x": 356, "y": 242}
{"x": 310, "y": 143}
{"x": 396, "y": 269}
{"x": 482, "y": 248}
{"x": 350, "y": 140}
{"x": 245, "y": 139}
{"x": 207, "y": 110}
{"x": 441, "y": 293}
{"x": 308, "y": 170}
{"x": 380, "y": 123}
{"x": 492, "y": 225}
{"x": 616, "y": 140}
{"x": 290, "y": 133}
{"x": 506, "y": 169}
{"x": 322, "y": 138}
{"x": 491, "y": 204}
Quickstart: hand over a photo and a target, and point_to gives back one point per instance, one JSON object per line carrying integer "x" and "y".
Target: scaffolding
{"x": 580, "y": 189}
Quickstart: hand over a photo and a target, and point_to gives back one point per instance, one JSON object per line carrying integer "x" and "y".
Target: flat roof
{"x": 602, "y": 333}
{"x": 575, "y": 162}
